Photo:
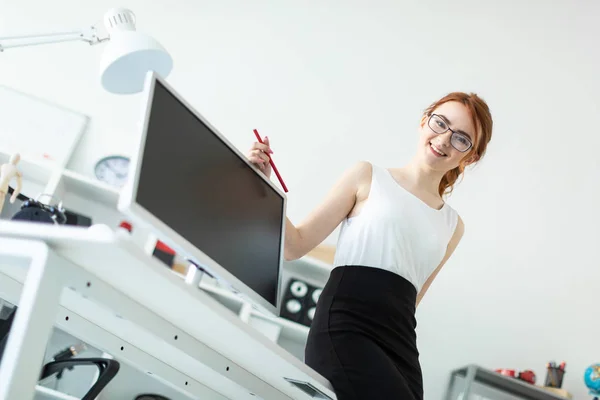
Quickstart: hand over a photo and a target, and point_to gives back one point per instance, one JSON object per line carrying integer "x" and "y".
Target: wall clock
{"x": 112, "y": 170}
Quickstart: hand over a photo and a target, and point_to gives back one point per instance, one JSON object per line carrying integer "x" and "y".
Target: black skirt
{"x": 362, "y": 337}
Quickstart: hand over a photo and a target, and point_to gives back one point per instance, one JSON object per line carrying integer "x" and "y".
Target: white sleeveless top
{"x": 396, "y": 231}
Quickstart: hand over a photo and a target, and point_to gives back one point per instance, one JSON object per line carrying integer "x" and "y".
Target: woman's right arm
{"x": 322, "y": 221}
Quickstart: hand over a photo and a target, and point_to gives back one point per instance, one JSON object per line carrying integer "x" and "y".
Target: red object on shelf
{"x": 164, "y": 248}
{"x": 527, "y": 376}
{"x": 164, "y": 253}
{"x": 507, "y": 372}
{"x": 126, "y": 225}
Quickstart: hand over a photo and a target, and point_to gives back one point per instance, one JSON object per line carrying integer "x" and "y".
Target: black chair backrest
{"x": 108, "y": 368}
{"x": 4, "y": 329}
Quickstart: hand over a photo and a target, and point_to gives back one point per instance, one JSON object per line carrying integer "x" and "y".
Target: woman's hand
{"x": 259, "y": 156}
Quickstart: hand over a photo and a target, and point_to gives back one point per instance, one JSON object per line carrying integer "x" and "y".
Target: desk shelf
{"x": 36, "y": 175}
{"x": 78, "y": 193}
{"x": 38, "y": 172}
{"x": 102, "y": 193}
{"x": 468, "y": 381}
{"x": 289, "y": 329}
{"x": 44, "y": 393}
{"x": 291, "y": 335}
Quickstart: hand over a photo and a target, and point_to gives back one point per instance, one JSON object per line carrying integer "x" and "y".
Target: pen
{"x": 563, "y": 365}
{"x": 272, "y": 164}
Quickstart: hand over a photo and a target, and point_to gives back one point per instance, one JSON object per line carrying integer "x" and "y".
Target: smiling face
{"x": 447, "y": 136}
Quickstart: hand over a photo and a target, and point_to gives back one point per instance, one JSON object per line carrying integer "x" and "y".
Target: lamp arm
{"x": 86, "y": 35}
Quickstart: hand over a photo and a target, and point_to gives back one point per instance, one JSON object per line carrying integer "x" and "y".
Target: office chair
{"x": 108, "y": 368}
{"x": 4, "y": 329}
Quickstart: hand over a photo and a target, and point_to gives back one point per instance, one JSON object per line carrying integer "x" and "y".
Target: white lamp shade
{"x": 128, "y": 56}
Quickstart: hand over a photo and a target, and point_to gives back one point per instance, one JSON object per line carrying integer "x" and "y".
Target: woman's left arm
{"x": 456, "y": 237}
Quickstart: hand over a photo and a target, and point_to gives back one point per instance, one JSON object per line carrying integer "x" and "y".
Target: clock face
{"x": 113, "y": 170}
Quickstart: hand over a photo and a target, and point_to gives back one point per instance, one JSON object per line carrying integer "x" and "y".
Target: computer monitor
{"x": 198, "y": 193}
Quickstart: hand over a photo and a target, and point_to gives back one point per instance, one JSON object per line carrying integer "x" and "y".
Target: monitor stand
{"x": 195, "y": 273}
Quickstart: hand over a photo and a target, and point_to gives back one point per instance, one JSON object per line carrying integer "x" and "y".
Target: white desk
{"x": 128, "y": 304}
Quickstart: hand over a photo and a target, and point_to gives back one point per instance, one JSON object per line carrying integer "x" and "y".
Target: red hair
{"x": 483, "y": 123}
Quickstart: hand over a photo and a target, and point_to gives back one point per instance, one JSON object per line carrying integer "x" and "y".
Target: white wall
{"x": 335, "y": 82}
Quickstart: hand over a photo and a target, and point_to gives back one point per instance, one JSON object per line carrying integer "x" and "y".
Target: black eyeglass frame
{"x": 451, "y": 130}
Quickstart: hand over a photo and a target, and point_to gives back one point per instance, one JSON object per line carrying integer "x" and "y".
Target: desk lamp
{"x": 127, "y": 58}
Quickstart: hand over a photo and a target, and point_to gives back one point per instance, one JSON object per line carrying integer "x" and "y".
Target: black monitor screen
{"x": 196, "y": 185}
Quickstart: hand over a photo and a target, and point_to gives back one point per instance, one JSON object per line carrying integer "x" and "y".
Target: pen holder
{"x": 554, "y": 377}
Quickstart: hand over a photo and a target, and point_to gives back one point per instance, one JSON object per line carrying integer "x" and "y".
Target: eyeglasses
{"x": 459, "y": 140}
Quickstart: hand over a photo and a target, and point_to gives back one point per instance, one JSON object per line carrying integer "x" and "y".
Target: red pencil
{"x": 285, "y": 189}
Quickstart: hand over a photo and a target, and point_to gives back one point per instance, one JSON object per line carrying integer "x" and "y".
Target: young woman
{"x": 397, "y": 232}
